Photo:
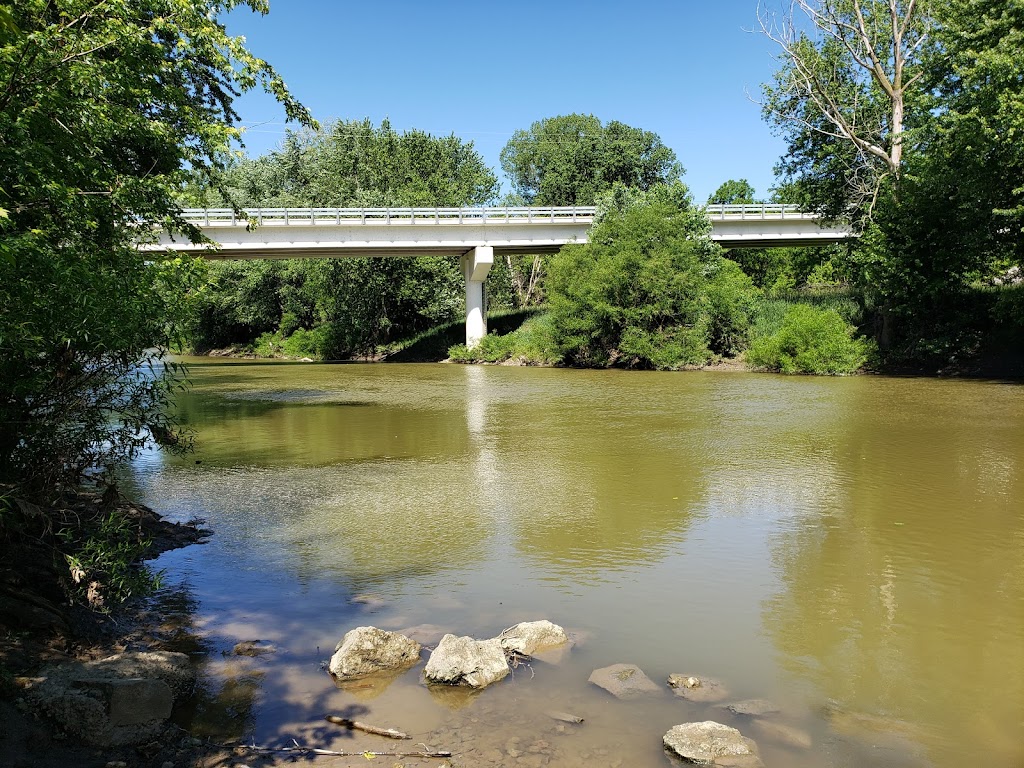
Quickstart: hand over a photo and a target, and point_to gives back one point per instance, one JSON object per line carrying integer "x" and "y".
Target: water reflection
{"x": 906, "y": 605}
{"x": 850, "y": 548}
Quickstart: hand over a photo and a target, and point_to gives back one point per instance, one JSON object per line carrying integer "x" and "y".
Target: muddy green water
{"x": 851, "y": 549}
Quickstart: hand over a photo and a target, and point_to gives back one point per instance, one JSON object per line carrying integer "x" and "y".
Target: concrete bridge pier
{"x": 475, "y": 266}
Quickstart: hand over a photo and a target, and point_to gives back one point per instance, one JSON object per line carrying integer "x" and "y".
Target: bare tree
{"x": 847, "y": 67}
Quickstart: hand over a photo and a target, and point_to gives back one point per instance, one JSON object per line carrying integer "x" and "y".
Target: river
{"x": 851, "y": 549}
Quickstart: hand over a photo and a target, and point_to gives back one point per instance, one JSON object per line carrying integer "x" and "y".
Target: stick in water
{"x": 298, "y": 750}
{"x": 355, "y": 725}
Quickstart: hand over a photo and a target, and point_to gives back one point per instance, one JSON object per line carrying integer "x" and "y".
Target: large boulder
{"x": 122, "y": 699}
{"x": 368, "y": 650}
{"x": 711, "y": 743}
{"x": 465, "y": 661}
{"x": 624, "y": 681}
{"x": 529, "y": 637}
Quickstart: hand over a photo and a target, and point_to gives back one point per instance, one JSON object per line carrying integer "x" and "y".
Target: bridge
{"x": 473, "y": 234}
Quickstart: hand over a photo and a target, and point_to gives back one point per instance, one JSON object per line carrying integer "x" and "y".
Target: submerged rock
{"x": 529, "y": 637}
{"x": 252, "y": 648}
{"x": 694, "y": 688}
{"x": 465, "y": 661}
{"x": 122, "y": 699}
{"x": 368, "y": 650}
{"x": 711, "y": 743}
{"x": 788, "y": 735}
{"x": 624, "y": 681}
{"x": 753, "y": 707}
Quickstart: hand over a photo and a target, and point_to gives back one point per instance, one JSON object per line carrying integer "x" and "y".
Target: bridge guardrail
{"x": 209, "y": 217}
{"x": 310, "y": 216}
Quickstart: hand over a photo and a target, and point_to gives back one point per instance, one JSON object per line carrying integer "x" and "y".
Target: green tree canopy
{"x": 353, "y": 163}
{"x": 650, "y": 288}
{"x": 570, "y": 159}
{"x": 734, "y": 192}
{"x": 352, "y": 305}
{"x": 906, "y": 117}
{"x": 105, "y": 104}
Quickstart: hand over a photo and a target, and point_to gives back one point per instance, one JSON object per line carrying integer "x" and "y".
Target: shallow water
{"x": 852, "y": 549}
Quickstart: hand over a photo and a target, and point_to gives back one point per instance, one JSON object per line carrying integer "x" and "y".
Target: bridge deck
{"x": 306, "y": 232}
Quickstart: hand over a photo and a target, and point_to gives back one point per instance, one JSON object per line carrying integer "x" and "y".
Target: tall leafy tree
{"x": 733, "y": 192}
{"x": 570, "y": 159}
{"x": 353, "y": 304}
{"x": 103, "y": 105}
{"x": 649, "y": 289}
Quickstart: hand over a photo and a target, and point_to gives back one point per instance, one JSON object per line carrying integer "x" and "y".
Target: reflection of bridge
{"x": 474, "y": 234}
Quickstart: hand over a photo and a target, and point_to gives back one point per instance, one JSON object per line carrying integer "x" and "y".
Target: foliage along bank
{"x": 651, "y": 290}
{"x": 104, "y": 105}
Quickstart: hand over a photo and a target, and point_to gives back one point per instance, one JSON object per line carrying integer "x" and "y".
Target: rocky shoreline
{"x": 97, "y": 690}
{"x": 71, "y": 691}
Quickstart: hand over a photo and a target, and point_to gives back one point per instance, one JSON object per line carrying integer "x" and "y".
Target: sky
{"x": 688, "y": 70}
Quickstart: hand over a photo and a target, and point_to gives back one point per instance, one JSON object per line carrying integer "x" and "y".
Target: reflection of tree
{"x": 598, "y": 492}
{"x": 223, "y": 707}
{"x": 905, "y": 596}
{"x": 289, "y": 430}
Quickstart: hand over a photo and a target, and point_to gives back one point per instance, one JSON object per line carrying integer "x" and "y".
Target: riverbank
{"x": 48, "y": 620}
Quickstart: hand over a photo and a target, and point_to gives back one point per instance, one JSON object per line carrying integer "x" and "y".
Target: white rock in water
{"x": 711, "y": 743}
{"x": 367, "y": 650}
{"x": 465, "y": 661}
{"x": 528, "y": 637}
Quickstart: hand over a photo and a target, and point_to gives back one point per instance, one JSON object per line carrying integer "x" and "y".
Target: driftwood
{"x": 355, "y": 725}
{"x": 565, "y": 717}
{"x": 369, "y": 754}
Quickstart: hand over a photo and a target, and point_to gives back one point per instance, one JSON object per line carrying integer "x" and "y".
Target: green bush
{"x": 533, "y": 343}
{"x": 103, "y": 561}
{"x": 809, "y": 340}
{"x": 638, "y": 294}
{"x": 1008, "y": 308}
{"x": 732, "y": 303}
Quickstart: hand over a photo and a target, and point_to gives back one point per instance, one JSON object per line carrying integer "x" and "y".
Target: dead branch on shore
{"x": 516, "y": 659}
{"x": 355, "y": 725}
{"x": 315, "y": 752}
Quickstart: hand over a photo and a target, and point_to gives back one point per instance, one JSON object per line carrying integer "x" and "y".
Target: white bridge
{"x": 473, "y": 234}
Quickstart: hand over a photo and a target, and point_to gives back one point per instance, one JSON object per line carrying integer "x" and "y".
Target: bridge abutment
{"x": 475, "y": 266}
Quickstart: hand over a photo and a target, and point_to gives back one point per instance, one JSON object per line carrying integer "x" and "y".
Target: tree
{"x": 650, "y": 288}
{"x": 920, "y": 146}
{"x": 570, "y": 159}
{"x": 353, "y": 305}
{"x": 850, "y": 69}
{"x": 733, "y": 192}
{"x": 353, "y": 163}
{"x": 103, "y": 105}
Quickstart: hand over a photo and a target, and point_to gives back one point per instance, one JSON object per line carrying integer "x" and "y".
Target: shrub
{"x": 732, "y": 301}
{"x": 809, "y": 340}
{"x": 1008, "y": 308}
{"x": 533, "y": 343}
{"x": 103, "y": 560}
{"x": 636, "y": 295}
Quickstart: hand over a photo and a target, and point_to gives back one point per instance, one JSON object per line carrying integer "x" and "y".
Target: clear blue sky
{"x": 687, "y": 70}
